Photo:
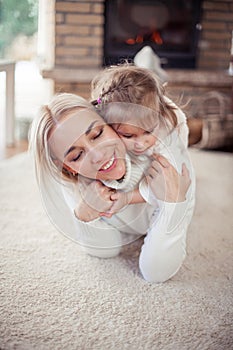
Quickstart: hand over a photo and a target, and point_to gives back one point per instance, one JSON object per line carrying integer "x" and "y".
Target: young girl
{"x": 132, "y": 100}
{"x": 72, "y": 142}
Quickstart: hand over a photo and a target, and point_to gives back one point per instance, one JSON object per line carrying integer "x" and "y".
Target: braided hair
{"x": 131, "y": 84}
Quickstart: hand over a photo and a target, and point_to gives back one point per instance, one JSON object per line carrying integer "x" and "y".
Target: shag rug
{"x": 54, "y": 296}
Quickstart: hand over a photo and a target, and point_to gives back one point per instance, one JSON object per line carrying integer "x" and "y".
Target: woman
{"x": 71, "y": 139}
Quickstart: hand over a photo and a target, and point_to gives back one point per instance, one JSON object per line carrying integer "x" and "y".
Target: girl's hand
{"x": 166, "y": 183}
{"x": 120, "y": 200}
{"x": 94, "y": 199}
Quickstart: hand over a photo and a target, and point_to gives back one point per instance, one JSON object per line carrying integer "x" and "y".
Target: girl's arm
{"x": 93, "y": 199}
{"x": 136, "y": 197}
{"x": 122, "y": 199}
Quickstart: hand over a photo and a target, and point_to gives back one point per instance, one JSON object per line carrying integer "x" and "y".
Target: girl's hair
{"x": 131, "y": 84}
{"x": 49, "y": 115}
{"x": 116, "y": 113}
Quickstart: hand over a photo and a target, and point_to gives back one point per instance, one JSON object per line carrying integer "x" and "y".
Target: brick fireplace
{"x": 79, "y": 40}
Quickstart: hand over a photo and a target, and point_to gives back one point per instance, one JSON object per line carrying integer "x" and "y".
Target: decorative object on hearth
{"x": 146, "y": 58}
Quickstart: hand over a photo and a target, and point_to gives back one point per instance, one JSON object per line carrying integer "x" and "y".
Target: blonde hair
{"x": 60, "y": 105}
{"x": 131, "y": 84}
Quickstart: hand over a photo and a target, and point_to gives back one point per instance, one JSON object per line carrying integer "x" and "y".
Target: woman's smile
{"x": 114, "y": 168}
{"x": 109, "y": 165}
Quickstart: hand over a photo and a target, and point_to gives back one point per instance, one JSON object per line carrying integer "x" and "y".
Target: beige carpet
{"x": 53, "y": 296}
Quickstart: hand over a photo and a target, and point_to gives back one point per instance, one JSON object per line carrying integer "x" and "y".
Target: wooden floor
{"x": 19, "y": 147}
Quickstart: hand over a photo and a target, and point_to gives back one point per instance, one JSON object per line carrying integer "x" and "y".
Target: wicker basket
{"x": 214, "y": 104}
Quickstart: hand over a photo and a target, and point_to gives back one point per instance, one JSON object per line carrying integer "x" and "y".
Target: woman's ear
{"x": 69, "y": 169}
{"x": 57, "y": 162}
{"x": 61, "y": 165}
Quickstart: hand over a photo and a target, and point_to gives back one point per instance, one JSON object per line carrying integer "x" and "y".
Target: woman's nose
{"x": 96, "y": 155}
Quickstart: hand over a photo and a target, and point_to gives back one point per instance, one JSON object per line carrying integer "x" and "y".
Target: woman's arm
{"x": 166, "y": 183}
{"x": 96, "y": 236}
{"x": 164, "y": 247}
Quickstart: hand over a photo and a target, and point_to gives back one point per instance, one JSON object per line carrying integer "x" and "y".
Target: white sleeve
{"x": 174, "y": 147}
{"x": 164, "y": 247}
{"x": 98, "y": 238}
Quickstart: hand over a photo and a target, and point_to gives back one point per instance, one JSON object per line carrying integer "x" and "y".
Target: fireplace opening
{"x": 170, "y": 27}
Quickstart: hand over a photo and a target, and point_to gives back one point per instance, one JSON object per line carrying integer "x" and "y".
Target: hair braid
{"x": 128, "y": 83}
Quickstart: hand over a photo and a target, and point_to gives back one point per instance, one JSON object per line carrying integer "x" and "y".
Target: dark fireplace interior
{"x": 170, "y": 27}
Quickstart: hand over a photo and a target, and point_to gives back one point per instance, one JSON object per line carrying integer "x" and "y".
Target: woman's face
{"x": 88, "y": 146}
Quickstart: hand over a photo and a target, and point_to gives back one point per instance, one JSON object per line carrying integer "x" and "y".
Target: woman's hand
{"x": 94, "y": 200}
{"x": 166, "y": 183}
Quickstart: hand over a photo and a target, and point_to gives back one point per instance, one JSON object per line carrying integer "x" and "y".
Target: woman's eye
{"x": 77, "y": 157}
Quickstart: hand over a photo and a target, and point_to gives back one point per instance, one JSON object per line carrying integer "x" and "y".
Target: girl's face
{"x": 88, "y": 146}
{"x": 136, "y": 139}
